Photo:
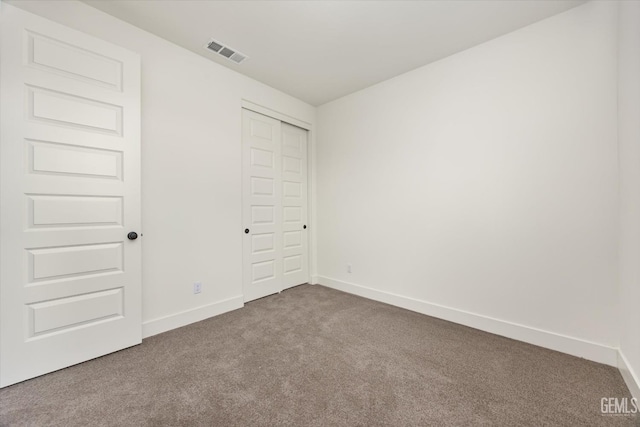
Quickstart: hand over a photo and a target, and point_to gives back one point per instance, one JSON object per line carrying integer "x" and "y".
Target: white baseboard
{"x": 630, "y": 378}
{"x": 314, "y": 280}
{"x": 183, "y": 318}
{"x": 565, "y": 344}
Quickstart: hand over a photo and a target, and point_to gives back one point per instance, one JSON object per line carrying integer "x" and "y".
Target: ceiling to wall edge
{"x": 511, "y": 23}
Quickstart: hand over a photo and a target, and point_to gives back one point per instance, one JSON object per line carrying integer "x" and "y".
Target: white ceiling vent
{"x": 226, "y": 51}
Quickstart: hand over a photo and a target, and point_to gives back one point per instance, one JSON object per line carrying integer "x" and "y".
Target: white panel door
{"x": 274, "y": 194}
{"x": 262, "y": 205}
{"x": 70, "y": 280}
{"x": 295, "y": 270}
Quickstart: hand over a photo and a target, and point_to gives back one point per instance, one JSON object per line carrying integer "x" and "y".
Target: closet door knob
{"x": 246, "y": 231}
{"x": 132, "y": 236}
{"x": 304, "y": 226}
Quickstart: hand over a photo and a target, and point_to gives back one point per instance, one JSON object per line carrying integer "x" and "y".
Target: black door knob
{"x": 132, "y": 236}
{"x": 246, "y": 231}
{"x": 304, "y": 226}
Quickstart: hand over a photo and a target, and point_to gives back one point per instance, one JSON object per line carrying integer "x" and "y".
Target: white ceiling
{"x": 318, "y": 51}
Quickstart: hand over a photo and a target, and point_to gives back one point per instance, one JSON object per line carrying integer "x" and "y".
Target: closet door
{"x": 295, "y": 270}
{"x": 274, "y": 211}
{"x": 262, "y": 205}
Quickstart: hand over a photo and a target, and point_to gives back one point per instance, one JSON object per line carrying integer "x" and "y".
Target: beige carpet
{"x": 319, "y": 357}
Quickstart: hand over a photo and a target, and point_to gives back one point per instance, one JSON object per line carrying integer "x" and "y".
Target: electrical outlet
{"x": 197, "y": 287}
{"x": 348, "y": 268}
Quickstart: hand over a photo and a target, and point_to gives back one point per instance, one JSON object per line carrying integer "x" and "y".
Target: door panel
{"x": 51, "y": 158}
{"x": 67, "y": 59}
{"x": 294, "y": 201}
{"x": 74, "y": 111}
{"x": 261, "y": 195}
{"x": 70, "y": 281}
{"x": 65, "y": 313}
{"x": 73, "y": 211}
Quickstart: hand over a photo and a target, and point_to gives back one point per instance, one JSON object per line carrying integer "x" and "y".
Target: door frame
{"x": 311, "y": 181}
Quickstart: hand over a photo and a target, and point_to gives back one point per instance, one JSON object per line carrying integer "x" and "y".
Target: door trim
{"x": 248, "y": 105}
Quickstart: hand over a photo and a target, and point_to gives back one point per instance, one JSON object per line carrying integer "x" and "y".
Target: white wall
{"x": 629, "y": 140}
{"x": 191, "y": 176}
{"x": 483, "y": 188}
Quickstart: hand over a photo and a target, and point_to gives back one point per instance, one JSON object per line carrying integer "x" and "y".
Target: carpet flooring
{"x": 314, "y": 356}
